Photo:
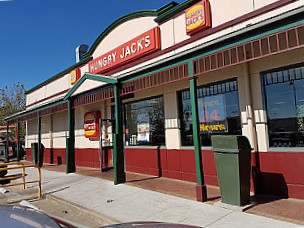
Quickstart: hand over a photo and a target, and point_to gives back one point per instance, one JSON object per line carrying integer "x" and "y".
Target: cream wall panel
{"x": 173, "y": 139}
{"x": 180, "y": 28}
{"x": 84, "y": 69}
{"x": 171, "y": 114}
{"x": 260, "y": 3}
{"x": 275, "y": 61}
{"x": 45, "y": 142}
{"x": 245, "y": 104}
{"x": 59, "y": 142}
{"x": 269, "y": 14}
{"x": 60, "y": 129}
{"x": 31, "y": 133}
{"x": 257, "y": 97}
{"x": 58, "y": 85}
{"x": 45, "y": 126}
{"x": 172, "y": 131}
{"x": 32, "y": 127}
{"x": 88, "y": 85}
{"x": 35, "y": 96}
{"x": 29, "y": 143}
{"x": 262, "y": 137}
{"x": 224, "y": 74}
{"x": 148, "y": 62}
{"x": 167, "y": 34}
{"x": 123, "y": 33}
{"x": 54, "y": 87}
{"x": 80, "y": 140}
{"x": 158, "y": 91}
{"x": 239, "y": 8}
{"x": 220, "y": 12}
{"x": 203, "y": 40}
{"x": 45, "y": 131}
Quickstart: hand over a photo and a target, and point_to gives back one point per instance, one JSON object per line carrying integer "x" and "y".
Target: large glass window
{"x": 218, "y": 109}
{"x": 145, "y": 122}
{"x": 284, "y": 101}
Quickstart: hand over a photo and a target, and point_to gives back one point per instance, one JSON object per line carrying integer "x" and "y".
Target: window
{"x": 145, "y": 122}
{"x": 218, "y": 110}
{"x": 284, "y": 101}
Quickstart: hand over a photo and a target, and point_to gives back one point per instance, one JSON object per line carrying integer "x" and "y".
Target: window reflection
{"x": 218, "y": 111}
{"x": 284, "y": 101}
{"x": 144, "y": 122}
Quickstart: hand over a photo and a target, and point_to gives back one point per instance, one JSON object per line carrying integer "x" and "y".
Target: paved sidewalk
{"x": 127, "y": 203}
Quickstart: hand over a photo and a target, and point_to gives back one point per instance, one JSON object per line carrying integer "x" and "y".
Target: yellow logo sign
{"x": 195, "y": 17}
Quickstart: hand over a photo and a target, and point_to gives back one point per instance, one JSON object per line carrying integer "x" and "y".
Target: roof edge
{"x": 116, "y": 23}
{"x": 85, "y": 60}
{"x": 174, "y": 10}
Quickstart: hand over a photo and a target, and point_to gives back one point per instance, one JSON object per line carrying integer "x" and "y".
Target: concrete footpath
{"x": 127, "y": 203}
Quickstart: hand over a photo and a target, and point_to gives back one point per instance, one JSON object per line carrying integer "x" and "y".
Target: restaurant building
{"x": 156, "y": 84}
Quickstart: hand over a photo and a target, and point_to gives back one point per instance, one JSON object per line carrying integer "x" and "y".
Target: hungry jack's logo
{"x": 140, "y": 46}
{"x": 91, "y": 125}
{"x": 75, "y": 75}
{"x": 198, "y": 17}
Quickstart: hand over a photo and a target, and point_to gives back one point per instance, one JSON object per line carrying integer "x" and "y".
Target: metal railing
{"x": 20, "y": 165}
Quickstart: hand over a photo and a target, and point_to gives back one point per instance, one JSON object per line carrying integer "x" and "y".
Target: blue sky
{"x": 38, "y": 38}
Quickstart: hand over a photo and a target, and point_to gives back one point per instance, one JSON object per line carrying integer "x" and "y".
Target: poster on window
{"x": 143, "y": 128}
{"x": 212, "y": 114}
{"x": 143, "y": 132}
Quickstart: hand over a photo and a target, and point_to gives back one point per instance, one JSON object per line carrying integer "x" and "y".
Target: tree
{"x": 12, "y": 100}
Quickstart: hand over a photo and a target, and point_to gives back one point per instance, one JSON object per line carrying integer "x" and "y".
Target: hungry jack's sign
{"x": 142, "y": 45}
{"x": 198, "y": 17}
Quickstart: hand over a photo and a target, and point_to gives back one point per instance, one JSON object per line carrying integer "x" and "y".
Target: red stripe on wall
{"x": 87, "y": 157}
{"x": 282, "y": 173}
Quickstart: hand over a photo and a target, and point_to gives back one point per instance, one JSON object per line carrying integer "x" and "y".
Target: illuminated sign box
{"x": 91, "y": 125}
{"x": 75, "y": 75}
{"x": 198, "y": 17}
{"x": 142, "y": 45}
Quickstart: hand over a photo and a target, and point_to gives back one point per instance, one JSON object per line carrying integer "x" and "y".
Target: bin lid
{"x": 230, "y": 143}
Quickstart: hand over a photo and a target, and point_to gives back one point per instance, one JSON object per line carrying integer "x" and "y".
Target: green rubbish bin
{"x": 232, "y": 154}
{"x": 35, "y": 153}
{"x": 40, "y": 155}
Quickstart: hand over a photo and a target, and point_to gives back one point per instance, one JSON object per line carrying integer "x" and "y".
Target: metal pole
{"x": 118, "y": 147}
{"x": 70, "y": 141}
{"x": 7, "y": 143}
{"x": 100, "y": 145}
{"x": 201, "y": 189}
{"x": 18, "y": 141}
{"x": 39, "y": 138}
